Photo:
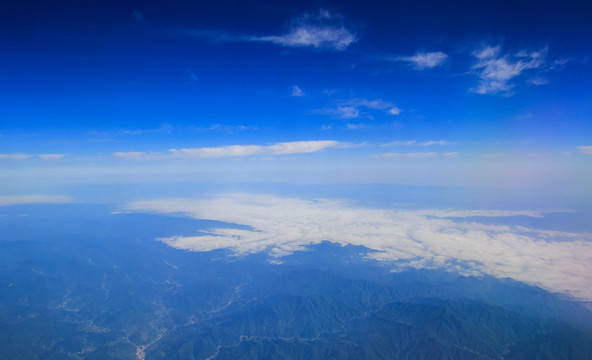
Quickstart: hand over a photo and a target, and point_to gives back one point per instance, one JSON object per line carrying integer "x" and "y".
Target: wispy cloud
{"x": 33, "y": 199}
{"x": 191, "y": 76}
{"x": 296, "y": 91}
{"x": 496, "y": 70}
{"x": 538, "y": 81}
{"x": 424, "y": 60}
{"x": 585, "y": 149}
{"x": 415, "y": 142}
{"x": 401, "y": 143}
{"x": 450, "y": 154}
{"x": 340, "y": 112}
{"x": 321, "y": 30}
{"x": 134, "y": 155}
{"x": 434, "y": 142}
{"x": 356, "y": 126}
{"x": 15, "y": 156}
{"x": 285, "y": 148}
{"x": 410, "y": 155}
{"x": 377, "y": 104}
{"x": 51, "y": 156}
{"x": 451, "y": 240}
{"x": 350, "y": 109}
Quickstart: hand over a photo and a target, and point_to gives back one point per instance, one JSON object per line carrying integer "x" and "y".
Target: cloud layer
{"x": 33, "y": 199}
{"x": 557, "y": 261}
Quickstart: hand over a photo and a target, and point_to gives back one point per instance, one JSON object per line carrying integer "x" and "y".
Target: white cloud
{"x": 356, "y": 126}
{"x": 450, "y": 154}
{"x": 434, "y": 142}
{"x": 351, "y": 109}
{"x": 15, "y": 156}
{"x": 421, "y": 155}
{"x": 401, "y": 143}
{"x": 414, "y": 142}
{"x": 51, "y": 156}
{"x": 296, "y": 91}
{"x": 285, "y": 148}
{"x": 322, "y": 30}
{"x": 557, "y": 261}
{"x": 394, "y": 111}
{"x": 424, "y": 60}
{"x": 497, "y": 70}
{"x": 132, "y": 155}
{"x": 341, "y": 112}
{"x": 538, "y": 81}
{"x": 33, "y": 199}
{"x": 390, "y": 155}
{"x": 27, "y": 156}
{"x": 413, "y": 155}
{"x": 377, "y": 104}
{"x": 585, "y": 149}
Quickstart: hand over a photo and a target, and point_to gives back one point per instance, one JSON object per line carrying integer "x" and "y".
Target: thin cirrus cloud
{"x": 16, "y": 156}
{"x": 350, "y": 109}
{"x": 450, "y": 240}
{"x": 20, "y": 156}
{"x": 585, "y": 149}
{"x": 322, "y": 30}
{"x": 340, "y": 112}
{"x": 377, "y": 104}
{"x": 285, "y": 148}
{"x": 297, "y": 91}
{"x": 51, "y": 156}
{"x": 496, "y": 70}
{"x": 415, "y": 142}
{"x": 424, "y": 60}
{"x": 434, "y": 142}
{"x": 411, "y": 155}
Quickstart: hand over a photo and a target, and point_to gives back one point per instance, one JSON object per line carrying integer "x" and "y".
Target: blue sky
{"x": 494, "y": 94}
{"x": 459, "y": 133}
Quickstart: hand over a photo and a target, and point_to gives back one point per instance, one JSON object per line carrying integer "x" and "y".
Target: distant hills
{"x": 97, "y": 286}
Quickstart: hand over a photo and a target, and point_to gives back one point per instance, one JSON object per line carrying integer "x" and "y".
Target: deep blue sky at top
{"x": 98, "y": 77}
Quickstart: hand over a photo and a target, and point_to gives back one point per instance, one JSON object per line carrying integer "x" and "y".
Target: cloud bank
{"x": 557, "y": 261}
